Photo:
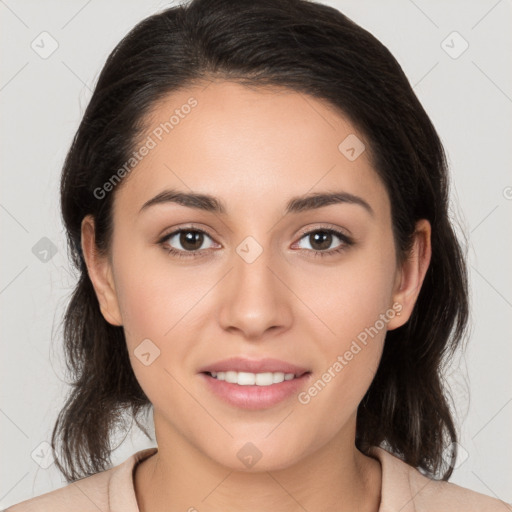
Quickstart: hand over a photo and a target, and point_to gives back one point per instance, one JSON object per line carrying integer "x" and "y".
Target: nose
{"x": 254, "y": 297}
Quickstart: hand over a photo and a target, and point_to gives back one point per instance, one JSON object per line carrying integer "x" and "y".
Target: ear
{"x": 411, "y": 274}
{"x": 100, "y": 273}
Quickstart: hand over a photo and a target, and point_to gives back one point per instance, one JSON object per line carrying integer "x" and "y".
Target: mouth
{"x": 255, "y": 391}
{"x": 244, "y": 365}
{"x": 254, "y": 379}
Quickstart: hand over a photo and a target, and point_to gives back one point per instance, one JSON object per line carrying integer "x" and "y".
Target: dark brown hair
{"x": 309, "y": 48}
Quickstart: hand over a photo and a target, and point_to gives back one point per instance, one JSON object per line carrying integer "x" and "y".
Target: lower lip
{"x": 255, "y": 397}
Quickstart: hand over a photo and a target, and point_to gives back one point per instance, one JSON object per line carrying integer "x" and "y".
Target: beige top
{"x": 404, "y": 489}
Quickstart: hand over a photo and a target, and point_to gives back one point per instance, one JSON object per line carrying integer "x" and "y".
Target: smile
{"x": 245, "y": 390}
{"x": 251, "y": 379}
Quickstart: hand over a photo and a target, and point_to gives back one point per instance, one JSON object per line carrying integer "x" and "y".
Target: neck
{"x": 336, "y": 476}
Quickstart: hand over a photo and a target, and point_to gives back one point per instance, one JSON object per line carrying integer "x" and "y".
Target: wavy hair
{"x": 312, "y": 49}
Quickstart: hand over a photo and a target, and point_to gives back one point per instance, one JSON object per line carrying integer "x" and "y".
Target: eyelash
{"x": 347, "y": 242}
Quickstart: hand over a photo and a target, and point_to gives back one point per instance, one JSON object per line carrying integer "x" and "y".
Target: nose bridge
{"x": 255, "y": 299}
{"x": 253, "y": 262}
{"x": 252, "y": 275}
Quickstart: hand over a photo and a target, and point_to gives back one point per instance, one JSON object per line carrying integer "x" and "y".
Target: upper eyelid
{"x": 326, "y": 226}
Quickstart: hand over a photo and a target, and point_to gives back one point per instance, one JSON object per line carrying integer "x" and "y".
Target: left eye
{"x": 323, "y": 238}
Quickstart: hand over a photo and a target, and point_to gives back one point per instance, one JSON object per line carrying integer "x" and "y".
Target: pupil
{"x": 191, "y": 237}
{"x": 325, "y": 236}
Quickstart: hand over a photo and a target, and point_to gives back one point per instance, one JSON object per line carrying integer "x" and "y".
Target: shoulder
{"x": 85, "y": 494}
{"x": 109, "y": 491}
{"x": 404, "y": 488}
{"x": 438, "y": 495}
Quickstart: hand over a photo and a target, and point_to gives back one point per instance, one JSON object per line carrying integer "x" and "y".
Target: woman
{"x": 257, "y": 205}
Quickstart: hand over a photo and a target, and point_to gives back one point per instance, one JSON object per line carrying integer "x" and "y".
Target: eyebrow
{"x": 297, "y": 204}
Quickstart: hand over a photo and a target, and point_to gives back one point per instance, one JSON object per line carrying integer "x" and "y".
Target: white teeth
{"x": 251, "y": 379}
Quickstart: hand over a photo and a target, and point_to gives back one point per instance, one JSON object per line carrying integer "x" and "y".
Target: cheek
{"x": 153, "y": 294}
{"x": 354, "y": 304}
{"x": 162, "y": 304}
{"x": 156, "y": 310}
{"x": 351, "y": 296}
{"x": 350, "y": 361}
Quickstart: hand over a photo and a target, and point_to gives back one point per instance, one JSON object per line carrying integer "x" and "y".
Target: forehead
{"x": 249, "y": 146}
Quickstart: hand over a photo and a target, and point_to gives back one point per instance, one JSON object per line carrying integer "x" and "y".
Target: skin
{"x": 254, "y": 148}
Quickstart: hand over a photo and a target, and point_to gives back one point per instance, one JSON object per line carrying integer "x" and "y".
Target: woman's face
{"x": 261, "y": 282}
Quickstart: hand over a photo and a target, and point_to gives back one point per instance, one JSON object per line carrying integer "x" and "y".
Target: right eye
{"x": 190, "y": 240}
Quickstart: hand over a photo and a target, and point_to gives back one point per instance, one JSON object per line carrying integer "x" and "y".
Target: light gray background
{"x": 42, "y": 100}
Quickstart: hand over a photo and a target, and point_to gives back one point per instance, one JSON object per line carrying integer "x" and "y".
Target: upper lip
{"x": 241, "y": 364}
